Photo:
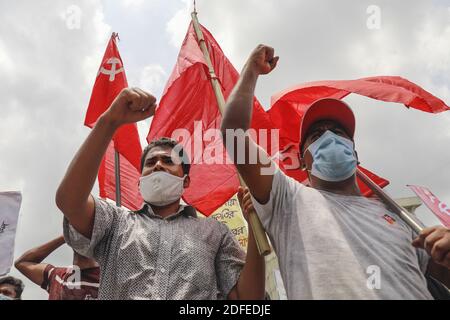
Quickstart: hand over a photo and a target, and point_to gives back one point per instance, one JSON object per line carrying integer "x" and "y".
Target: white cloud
{"x": 153, "y": 78}
{"x": 45, "y": 97}
{"x": 6, "y": 63}
{"x": 132, "y": 3}
{"x": 177, "y": 25}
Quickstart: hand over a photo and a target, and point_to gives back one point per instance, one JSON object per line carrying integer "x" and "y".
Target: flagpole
{"x": 401, "y": 212}
{"x": 117, "y": 156}
{"x": 117, "y": 174}
{"x": 257, "y": 228}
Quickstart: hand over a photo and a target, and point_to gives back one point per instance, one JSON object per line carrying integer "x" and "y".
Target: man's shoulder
{"x": 293, "y": 184}
{"x": 106, "y": 204}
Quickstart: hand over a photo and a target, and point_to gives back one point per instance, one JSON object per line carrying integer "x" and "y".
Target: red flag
{"x": 289, "y": 105}
{"x": 189, "y": 97}
{"x": 189, "y": 102}
{"x": 111, "y": 79}
{"x": 129, "y": 178}
{"x": 439, "y": 208}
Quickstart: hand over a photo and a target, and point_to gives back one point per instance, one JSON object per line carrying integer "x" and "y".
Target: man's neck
{"x": 347, "y": 187}
{"x": 166, "y": 211}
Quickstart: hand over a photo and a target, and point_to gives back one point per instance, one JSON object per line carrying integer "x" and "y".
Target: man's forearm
{"x": 79, "y": 180}
{"x": 238, "y": 110}
{"x": 251, "y": 283}
{"x": 37, "y": 255}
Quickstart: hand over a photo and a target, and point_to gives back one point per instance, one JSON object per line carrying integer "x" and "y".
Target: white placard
{"x": 9, "y": 215}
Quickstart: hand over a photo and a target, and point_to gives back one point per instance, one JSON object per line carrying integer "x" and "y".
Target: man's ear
{"x": 302, "y": 161}
{"x": 302, "y": 164}
{"x": 357, "y": 159}
{"x": 186, "y": 182}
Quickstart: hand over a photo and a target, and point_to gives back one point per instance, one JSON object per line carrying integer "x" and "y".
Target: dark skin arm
{"x": 436, "y": 241}
{"x": 73, "y": 196}
{"x": 30, "y": 263}
{"x": 251, "y": 283}
{"x": 238, "y": 115}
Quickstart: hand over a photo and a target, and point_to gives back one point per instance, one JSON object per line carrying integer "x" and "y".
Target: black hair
{"x": 16, "y": 283}
{"x": 167, "y": 142}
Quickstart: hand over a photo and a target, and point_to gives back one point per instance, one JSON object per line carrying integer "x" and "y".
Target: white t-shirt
{"x": 332, "y": 246}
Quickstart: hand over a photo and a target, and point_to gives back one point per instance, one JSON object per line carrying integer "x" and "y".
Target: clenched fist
{"x": 130, "y": 106}
{"x": 436, "y": 241}
{"x": 262, "y": 60}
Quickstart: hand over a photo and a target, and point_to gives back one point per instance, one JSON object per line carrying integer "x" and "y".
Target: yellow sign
{"x": 230, "y": 214}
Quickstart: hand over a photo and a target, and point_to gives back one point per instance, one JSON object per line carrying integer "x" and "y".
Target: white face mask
{"x": 161, "y": 188}
{"x": 3, "y": 297}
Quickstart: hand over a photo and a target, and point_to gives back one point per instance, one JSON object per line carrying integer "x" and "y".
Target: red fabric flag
{"x": 189, "y": 97}
{"x": 189, "y": 102}
{"x": 439, "y": 208}
{"x": 129, "y": 178}
{"x": 289, "y": 105}
{"x": 111, "y": 79}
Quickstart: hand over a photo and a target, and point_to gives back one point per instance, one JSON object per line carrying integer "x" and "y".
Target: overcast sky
{"x": 49, "y": 60}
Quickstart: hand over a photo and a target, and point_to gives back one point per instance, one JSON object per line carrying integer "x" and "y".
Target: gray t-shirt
{"x": 333, "y": 246}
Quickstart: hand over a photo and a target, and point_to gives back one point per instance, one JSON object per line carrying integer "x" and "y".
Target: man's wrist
{"x": 250, "y": 71}
{"x": 109, "y": 122}
{"x": 61, "y": 240}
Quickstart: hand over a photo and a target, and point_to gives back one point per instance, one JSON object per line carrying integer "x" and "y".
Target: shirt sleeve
{"x": 105, "y": 219}
{"x": 229, "y": 262}
{"x": 47, "y": 274}
{"x": 282, "y": 194}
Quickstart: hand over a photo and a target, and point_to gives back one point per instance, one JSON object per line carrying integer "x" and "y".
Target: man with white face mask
{"x": 162, "y": 251}
{"x": 331, "y": 242}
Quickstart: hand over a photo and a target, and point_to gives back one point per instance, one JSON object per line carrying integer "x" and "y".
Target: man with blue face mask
{"x": 331, "y": 242}
{"x": 162, "y": 251}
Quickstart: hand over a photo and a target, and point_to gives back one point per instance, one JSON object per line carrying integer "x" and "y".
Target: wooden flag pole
{"x": 401, "y": 212}
{"x": 117, "y": 158}
{"x": 255, "y": 223}
{"x": 117, "y": 174}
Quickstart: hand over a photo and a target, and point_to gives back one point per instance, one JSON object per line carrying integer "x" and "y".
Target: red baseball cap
{"x": 328, "y": 109}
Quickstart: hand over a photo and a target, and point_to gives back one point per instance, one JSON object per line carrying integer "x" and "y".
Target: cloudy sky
{"x": 50, "y": 52}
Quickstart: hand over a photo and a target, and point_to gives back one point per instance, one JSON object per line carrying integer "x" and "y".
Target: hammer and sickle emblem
{"x": 114, "y": 62}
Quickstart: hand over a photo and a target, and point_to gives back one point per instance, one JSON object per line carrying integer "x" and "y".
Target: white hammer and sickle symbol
{"x": 112, "y": 73}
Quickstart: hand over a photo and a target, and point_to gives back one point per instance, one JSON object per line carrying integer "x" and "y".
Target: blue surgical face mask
{"x": 334, "y": 158}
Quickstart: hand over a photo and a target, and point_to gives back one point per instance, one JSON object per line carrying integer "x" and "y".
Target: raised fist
{"x": 262, "y": 59}
{"x": 131, "y": 105}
